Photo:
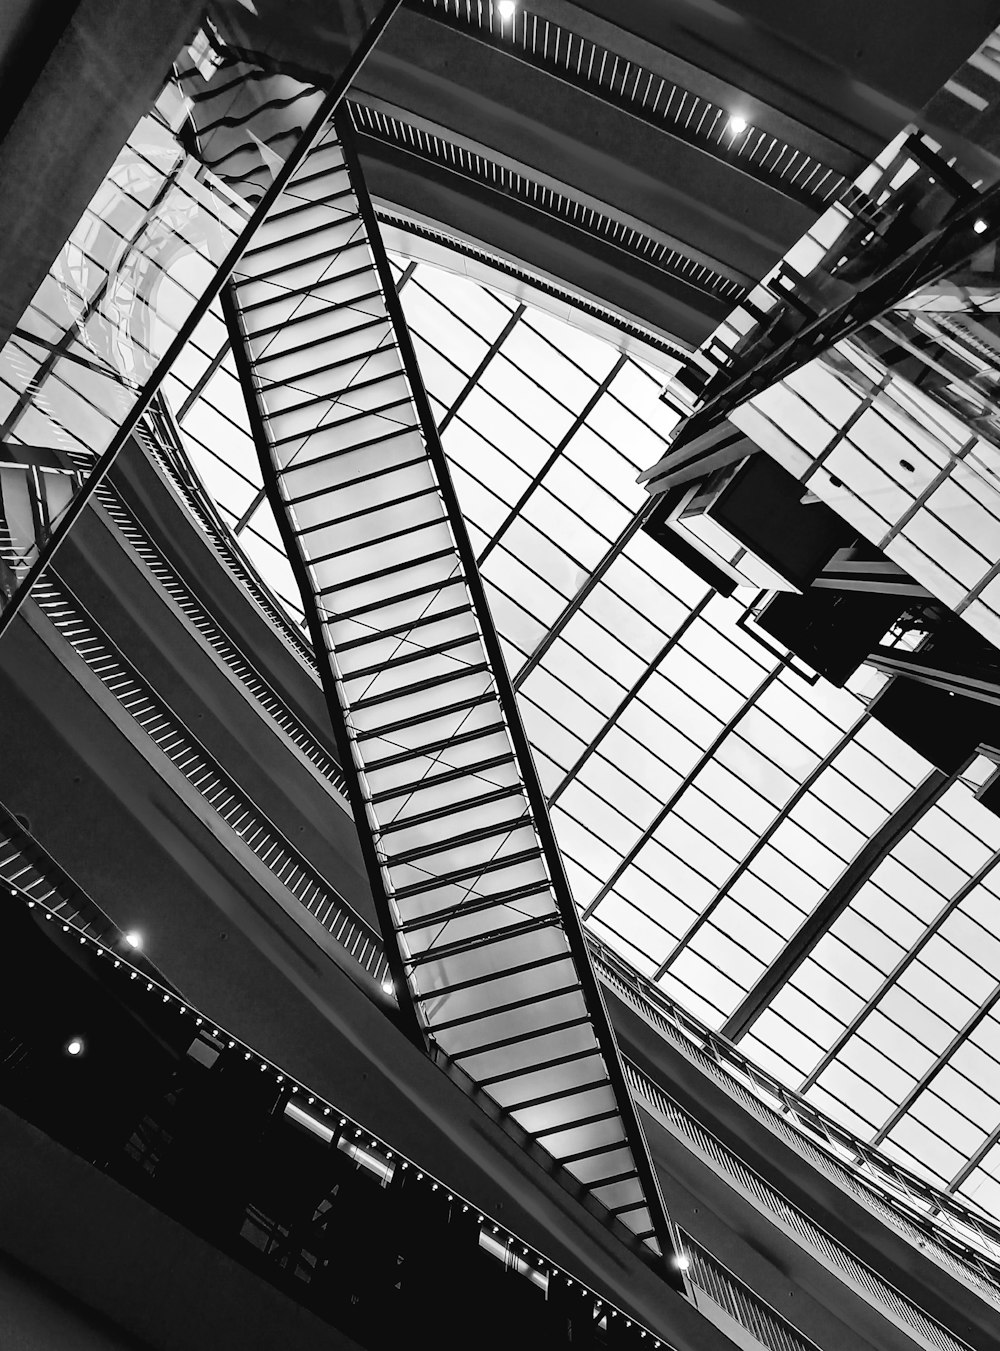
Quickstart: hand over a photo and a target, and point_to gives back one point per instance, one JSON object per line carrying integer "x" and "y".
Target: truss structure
{"x": 485, "y": 942}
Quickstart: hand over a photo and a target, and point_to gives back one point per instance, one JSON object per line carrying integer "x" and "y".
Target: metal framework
{"x": 834, "y": 903}
{"x": 644, "y": 94}
{"x": 485, "y": 945}
{"x": 175, "y": 207}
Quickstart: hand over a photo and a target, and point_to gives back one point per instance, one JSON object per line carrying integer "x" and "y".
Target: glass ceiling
{"x": 705, "y": 795}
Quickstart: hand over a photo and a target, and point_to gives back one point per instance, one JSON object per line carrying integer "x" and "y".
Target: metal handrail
{"x": 956, "y": 1236}
{"x": 894, "y": 1194}
{"x": 810, "y": 1234}
{"x": 229, "y": 801}
{"x": 725, "y": 1289}
{"x": 485, "y": 170}
{"x": 158, "y": 435}
{"x": 150, "y": 713}
{"x": 658, "y": 101}
{"x": 128, "y": 526}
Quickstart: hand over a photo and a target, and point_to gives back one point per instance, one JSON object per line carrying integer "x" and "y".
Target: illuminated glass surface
{"x": 704, "y": 794}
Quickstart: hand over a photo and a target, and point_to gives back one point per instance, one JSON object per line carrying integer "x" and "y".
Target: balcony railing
{"x": 156, "y": 720}
{"x": 965, "y": 1243}
{"x": 867, "y": 1282}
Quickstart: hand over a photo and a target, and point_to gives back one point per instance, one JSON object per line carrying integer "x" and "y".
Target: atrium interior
{"x": 500, "y": 674}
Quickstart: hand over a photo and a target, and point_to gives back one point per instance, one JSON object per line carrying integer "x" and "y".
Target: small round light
{"x": 74, "y": 1046}
{"x": 681, "y": 1262}
{"x": 737, "y": 125}
{"x": 506, "y": 9}
{"x": 134, "y": 938}
{"x": 388, "y": 987}
{"x": 979, "y": 225}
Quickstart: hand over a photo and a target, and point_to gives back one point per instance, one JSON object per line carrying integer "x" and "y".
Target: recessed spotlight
{"x": 737, "y": 125}
{"x": 979, "y": 225}
{"x": 388, "y": 987}
{"x": 133, "y": 938}
{"x": 681, "y": 1262}
{"x": 506, "y": 9}
{"x": 74, "y": 1046}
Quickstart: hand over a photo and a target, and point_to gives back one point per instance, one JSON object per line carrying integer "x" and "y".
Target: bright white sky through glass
{"x": 705, "y": 797}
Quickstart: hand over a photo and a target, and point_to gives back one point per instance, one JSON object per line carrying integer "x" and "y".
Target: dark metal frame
{"x": 566, "y": 909}
{"x": 938, "y": 253}
{"x": 128, "y": 425}
{"x": 641, "y": 111}
{"x": 834, "y": 903}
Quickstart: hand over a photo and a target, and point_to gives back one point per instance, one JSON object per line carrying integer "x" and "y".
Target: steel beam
{"x": 834, "y": 903}
{"x": 465, "y": 871}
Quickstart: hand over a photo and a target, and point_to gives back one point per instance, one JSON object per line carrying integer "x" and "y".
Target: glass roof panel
{"x": 705, "y": 796}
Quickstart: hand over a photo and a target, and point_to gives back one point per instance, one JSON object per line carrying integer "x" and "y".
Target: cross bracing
{"x": 633, "y": 701}
{"x": 484, "y": 941}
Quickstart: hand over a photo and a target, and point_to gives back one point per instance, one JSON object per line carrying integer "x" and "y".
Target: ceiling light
{"x": 388, "y": 987}
{"x": 681, "y": 1262}
{"x": 737, "y": 125}
{"x": 979, "y": 225}
{"x": 506, "y": 9}
{"x": 133, "y": 938}
{"x": 74, "y": 1046}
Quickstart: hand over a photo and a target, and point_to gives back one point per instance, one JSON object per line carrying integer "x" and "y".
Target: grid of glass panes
{"x": 911, "y": 963}
{"x": 772, "y": 786}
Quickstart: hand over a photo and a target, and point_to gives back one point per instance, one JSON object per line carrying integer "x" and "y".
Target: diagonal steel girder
{"x": 144, "y": 262}
{"x": 485, "y": 943}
